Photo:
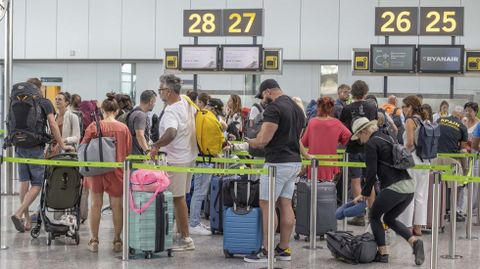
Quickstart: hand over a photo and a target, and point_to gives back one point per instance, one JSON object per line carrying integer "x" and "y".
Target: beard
{"x": 268, "y": 100}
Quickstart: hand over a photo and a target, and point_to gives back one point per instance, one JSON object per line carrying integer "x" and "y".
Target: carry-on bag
{"x": 352, "y": 249}
{"x": 326, "y": 208}
{"x": 242, "y": 227}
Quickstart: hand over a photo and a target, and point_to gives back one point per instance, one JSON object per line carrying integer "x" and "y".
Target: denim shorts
{"x": 354, "y": 172}
{"x": 30, "y": 172}
{"x": 284, "y": 182}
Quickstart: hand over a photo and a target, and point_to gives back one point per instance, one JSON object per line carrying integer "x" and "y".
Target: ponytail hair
{"x": 110, "y": 104}
{"x": 325, "y": 106}
{"x": 427, "y": 112}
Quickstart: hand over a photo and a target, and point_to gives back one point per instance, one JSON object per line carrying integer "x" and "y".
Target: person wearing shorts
{"x": 283, "y": 122}
{"x": 111, "y": 182}
{"x": 32, "y": 176}
{"x": 178, "y": 141}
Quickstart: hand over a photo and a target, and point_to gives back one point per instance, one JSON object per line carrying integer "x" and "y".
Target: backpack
{"x": 88, "y": 110}
{"x": 357, "y": 113}
{"x": 208, "y": 129}
{"x": 252, "y": 132}
{"x": 352, "y": 249}
{"x": 402, "y": 158}
{"x": 400, "y": 127}
{"x": 131, "y": 128}
{"x": 122, "y": 117}
{"x": 26, "y": 124}
{"x": 427, "y": 135}
{"x": 154, "y": 130}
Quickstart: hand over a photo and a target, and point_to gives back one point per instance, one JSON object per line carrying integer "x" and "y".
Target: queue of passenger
{"x": 286, "y": 131}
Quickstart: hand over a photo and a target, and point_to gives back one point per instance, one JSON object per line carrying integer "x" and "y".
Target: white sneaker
{"x": 205, "y": 226}
{"x": 183, "y": 244}
{"x": 199, "y": 230}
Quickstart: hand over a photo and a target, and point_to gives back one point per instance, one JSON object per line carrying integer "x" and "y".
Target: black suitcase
{"x": 326, "y": 207}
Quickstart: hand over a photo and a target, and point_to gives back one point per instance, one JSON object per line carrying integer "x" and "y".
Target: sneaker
{"x": 381, "y": 258}
{"x": 418, "y": 251}
{"x": 199, "y": 230}
{"x": 205, "y": 226}
{"x": 283, "y": 254}
{"x": 460, "y": 217}
{"x": 261, "y": 256}
{"x": 183, "y": 244}
{"x": 357, "y": 221}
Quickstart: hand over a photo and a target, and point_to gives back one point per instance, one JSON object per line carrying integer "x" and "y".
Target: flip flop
{"x": 18, "y": 224}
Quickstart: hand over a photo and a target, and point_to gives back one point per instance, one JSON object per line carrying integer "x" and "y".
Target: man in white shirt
{"x": 178, "y": 141}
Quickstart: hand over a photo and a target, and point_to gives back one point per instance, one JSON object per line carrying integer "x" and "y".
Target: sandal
{"x": 117, "y": 245}
{"x": 93, "y": 245}
{"x": 18, "y": 223}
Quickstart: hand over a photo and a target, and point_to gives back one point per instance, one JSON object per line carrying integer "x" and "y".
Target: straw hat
{"x": 360, "y": 124}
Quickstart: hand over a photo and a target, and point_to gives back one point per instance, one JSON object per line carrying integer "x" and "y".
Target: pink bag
{"x": 147, "y": 181}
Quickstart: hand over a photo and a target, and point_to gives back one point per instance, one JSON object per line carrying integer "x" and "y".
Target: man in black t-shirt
{"x": 356, "y": 151}
{"x": 453, "y": 133}
{"x": 32, "y": 176}
{"x": 283, "y": 122}
{"x": 138, "y": 123}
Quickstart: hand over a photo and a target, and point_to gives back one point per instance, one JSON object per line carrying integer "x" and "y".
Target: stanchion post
{"x": 2, "y": 246}
{"x": 345, "y": 188}
{"x": 435, "y": 219}
{"x": 272, "y": 176}
{"x": 313, "y": 204}
{"x": 470, "y": 186}
{"x": 127, "y": 165}
{"x": 453, "y": 219}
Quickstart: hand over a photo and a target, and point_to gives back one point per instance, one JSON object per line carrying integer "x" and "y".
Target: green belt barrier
{"x": 462, "y": 179}
{"x": 457, "y": 155}
{"x": 340, "y": 151}
{"x": 63, "y": 163}
{"x": 175, "y": 169}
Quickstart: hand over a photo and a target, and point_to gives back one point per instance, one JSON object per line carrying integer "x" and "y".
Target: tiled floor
{"x": 24, "y": 252}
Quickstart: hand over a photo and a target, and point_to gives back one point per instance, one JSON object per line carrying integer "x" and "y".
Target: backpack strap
{"x": 395, "y": 111}
{"x": 259, "y": 107}
{"x": 191, "y": 102}
{"x": 128, "y": 118}
{"x": 390, "y": 142}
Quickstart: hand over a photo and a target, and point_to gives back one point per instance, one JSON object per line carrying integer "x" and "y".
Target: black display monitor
{"x": 198, "y": 57}
{"x": 441, "y": 58}
{"x": 242, "y": 57}
{"x": 392, "y": 58}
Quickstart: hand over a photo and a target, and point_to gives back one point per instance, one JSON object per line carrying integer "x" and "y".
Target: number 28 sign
{"x": 227, "y": 22}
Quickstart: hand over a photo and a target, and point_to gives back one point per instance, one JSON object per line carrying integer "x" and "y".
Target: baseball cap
{"x": 266, "y": 84}
{"x": 215, "y": 103}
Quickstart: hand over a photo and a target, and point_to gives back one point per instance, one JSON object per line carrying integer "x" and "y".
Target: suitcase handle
{"x": 167, "y": 222}
{"x": 145, "y": 206}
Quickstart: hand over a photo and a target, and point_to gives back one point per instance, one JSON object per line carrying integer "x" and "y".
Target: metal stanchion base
{"x": 3, "y": 247}
{"x": 454, "y": 257}
{"x": 317, "y": 248}
{"x": 465, "y": 238}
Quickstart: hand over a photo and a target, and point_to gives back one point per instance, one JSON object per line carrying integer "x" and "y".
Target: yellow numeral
{"x": 447, "y": 19}
{"x": 233, "y": 28}
{"x": 251, "y": 16}
{"x": 431, "y": 27}
{"x": 193, "y": 28}
{"x": 208, "y": 23}
{"x": 403, "y": 24}
{"x": 386, "y": 27}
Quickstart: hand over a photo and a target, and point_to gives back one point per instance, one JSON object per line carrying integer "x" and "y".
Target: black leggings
{"x": 390, "y": 204}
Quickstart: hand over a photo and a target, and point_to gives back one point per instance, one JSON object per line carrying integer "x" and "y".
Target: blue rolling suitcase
{"x": 216, "y": 203}
{"x": 242, "y": 229}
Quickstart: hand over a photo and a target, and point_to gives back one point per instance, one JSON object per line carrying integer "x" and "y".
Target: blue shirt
{"x": 476, "y": 132}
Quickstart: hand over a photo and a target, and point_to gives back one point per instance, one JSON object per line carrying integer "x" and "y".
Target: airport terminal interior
{"x": 106, "y": 58}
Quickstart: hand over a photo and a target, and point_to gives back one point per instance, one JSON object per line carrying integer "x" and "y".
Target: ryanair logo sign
{"x": 441, "y": 59}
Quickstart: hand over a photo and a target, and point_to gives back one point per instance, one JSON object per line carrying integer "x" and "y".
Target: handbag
{"x": 100, "y": 149}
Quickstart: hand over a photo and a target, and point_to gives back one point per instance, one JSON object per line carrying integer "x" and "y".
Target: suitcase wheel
{"x": 49, "y": 239}
{"x": 296, "y": 237}
{"x": 169, "y": 252}
{"x": 148, "y": 255}
{"x": 227, "y": 254}
{"x": 77, "y": 239}
{"x": 35, "y": 231}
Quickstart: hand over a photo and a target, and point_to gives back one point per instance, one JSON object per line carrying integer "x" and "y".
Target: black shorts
{"x": 354, "y": 172}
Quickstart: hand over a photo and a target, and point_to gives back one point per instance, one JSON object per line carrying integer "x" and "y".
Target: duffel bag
{"x": 240, "y": 198}
{"x": 352, "y": 249}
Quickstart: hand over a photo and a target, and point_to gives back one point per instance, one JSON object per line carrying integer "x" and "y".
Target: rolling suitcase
{"x": 326, "y": 207}
{"x": 152, "y": 230}
{"x": 216, "y": 204}
{"x": 443, "y": 205}
{"x": 242, "y": 229}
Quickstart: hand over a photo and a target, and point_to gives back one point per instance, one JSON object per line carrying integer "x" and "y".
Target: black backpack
{"x": 252, "y": 132}
{"x": 400, "y": 127}
{"x": 352, "y": 249}
{"x": 358, "y": 113}
{"x": 402, "y": 158}
{"x": 26, "y": 124}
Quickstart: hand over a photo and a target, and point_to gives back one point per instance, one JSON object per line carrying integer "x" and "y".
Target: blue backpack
{"x": 427, "y": 135}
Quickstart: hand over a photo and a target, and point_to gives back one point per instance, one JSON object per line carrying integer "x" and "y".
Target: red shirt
{"x": 322, "y": 136}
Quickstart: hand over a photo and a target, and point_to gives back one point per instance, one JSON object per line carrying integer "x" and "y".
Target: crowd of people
{"x": 284, "y": 133}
